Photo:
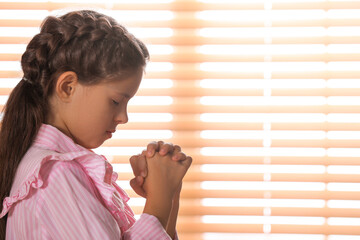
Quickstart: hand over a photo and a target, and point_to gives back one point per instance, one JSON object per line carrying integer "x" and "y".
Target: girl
{"x": 79, "y": 73}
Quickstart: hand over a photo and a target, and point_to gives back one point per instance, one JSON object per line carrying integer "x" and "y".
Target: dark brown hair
{"x": 92, "y": 45}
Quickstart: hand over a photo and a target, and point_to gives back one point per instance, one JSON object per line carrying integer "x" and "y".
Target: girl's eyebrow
{"x": 124, "y": 94}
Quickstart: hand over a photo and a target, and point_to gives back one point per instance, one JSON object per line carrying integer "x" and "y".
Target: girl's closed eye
{"x": 115, "y": 102}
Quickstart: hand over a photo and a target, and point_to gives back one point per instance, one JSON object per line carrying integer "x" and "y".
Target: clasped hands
{"x": 159, "y": 153}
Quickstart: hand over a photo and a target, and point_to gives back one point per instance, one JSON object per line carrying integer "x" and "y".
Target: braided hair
{"x": 92, "y": 45}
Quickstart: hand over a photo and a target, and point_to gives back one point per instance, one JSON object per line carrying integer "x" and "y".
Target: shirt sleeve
{"x": 146, "y": 228}
{"x": 69, "y": 208}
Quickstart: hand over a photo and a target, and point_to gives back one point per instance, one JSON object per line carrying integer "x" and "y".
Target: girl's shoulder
{"x": 30, "y": 174}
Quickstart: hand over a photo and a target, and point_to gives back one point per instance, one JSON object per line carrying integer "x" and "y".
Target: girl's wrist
{"x": 160, "y": 207}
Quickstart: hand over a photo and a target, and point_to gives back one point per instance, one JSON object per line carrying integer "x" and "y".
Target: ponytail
{"x": 23, "y": 116}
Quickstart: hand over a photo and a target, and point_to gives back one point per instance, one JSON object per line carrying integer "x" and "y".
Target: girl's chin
{"x": 95, "y": 144}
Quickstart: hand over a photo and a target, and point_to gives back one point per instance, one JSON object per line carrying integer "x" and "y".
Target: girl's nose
{"x": 121, "y": 117}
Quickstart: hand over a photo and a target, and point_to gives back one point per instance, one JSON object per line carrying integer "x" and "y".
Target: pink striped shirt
{"x": 64, "y": 191}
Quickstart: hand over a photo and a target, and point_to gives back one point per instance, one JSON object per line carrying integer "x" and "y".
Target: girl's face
{"x": 96, "y": 110}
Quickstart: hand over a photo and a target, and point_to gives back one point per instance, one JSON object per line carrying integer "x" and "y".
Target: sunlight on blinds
{"x": 264, "y": 94}
{"x": 290, "y": 82}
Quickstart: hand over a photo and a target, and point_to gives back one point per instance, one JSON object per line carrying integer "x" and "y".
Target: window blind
{"x": 264, "y": 94}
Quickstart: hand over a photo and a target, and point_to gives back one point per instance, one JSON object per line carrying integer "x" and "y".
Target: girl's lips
{"x": 109, "y": 133}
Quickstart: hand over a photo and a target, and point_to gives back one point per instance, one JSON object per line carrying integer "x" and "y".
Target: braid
{"x": 89, "y": 43}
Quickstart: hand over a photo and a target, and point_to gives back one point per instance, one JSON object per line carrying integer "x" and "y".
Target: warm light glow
{"x": 343, "y": 83}
{"x": 159, "y": 67}
{"x": 10, "y": 66}
{"x": 142, "y": 134}
{"x": 263, "y": 117}
{"x": 355, "y": 135}
{"x": 243, "y": 134}
{"x": 9, "y": 82}
{"x": 150, "y": 117}
{"x": 160, "y": 49}
{"x": 343, "y": 48}
{"x": 255, "y": 202}
{"x": 266, "y": 186}
{"x": 114, "y": 1}
{"x": 342, "y": 100}
{"x": 140, "y": 15}
{"x": 343, "y": 152}
{"x": 264, "y": 168}
{"x": 343, "y": 237}
{"x": 266, "y": 49}
{"x": 151, "y": 32}
{"x": 343, "y": 221}
{"x": 266, "y": 236}
{"x": 136, "y": 201}
{"x": 343, "y": 65}
{"x": 343, "y": 187}
{"x": 343, "y": 31}
{"x": 3, "y": 99}
{"x": 278, "y": 49}
{"x": 151, "y": 100}
{"x": 258, "y": 151}
{"x": 263, "y": 83}
{"x": 259, "y": 32}
{"x": 343, "y": 13}
{"x": 121, "y": 168}
{"x": 348, "y": 169}
{"x": 264, "y": 101}
{"x": 344, "y": 117}
{"x": 19, "y": 31}
{"x": 27, "y": 1}
{"x": 120, "y": 151}
{"x": 124, "y": 184}
{"x": 24, "y": 14}
{"x": 288, "y": 220}
{"x": 269, "y": 66}
{"x": 260, "y": 15}
{"x": 12, "y": 48}
{"x": 260, "y": 1}
{"x": 354, "y": 204}
{"x": 156, "y": 83}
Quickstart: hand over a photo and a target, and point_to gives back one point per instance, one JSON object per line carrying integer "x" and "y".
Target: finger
{"x": 133, "y": 162}
{"x": 180, "y": 156}
{"x": 177, "y": 150}
{"x": 140, "y": 180}
{"x": 166, "y": 148}
{"x": 139, "y": 165}
{"x": 137, "y": 188}
{"x": 153, "y": 147}
{"x": 142, "y": 164}
{"x": 187, "y": 162}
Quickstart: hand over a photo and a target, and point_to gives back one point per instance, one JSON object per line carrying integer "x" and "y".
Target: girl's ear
{"x": 65, "y": 86}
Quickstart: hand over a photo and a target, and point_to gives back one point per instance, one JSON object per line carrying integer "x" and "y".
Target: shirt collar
{"x": 51, "y": 138}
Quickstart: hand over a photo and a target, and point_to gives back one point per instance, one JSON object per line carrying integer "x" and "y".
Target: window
{"x": 264, "y": 94}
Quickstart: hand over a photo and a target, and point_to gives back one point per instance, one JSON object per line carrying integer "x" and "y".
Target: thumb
{"x": 187, "y": 162}
{"x": 136, "y": 184}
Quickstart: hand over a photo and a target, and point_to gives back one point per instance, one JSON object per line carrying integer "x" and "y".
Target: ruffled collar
{"x": 63, "y": 148}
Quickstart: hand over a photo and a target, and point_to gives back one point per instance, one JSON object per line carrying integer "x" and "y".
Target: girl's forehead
{"x": 127, "y": 86}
